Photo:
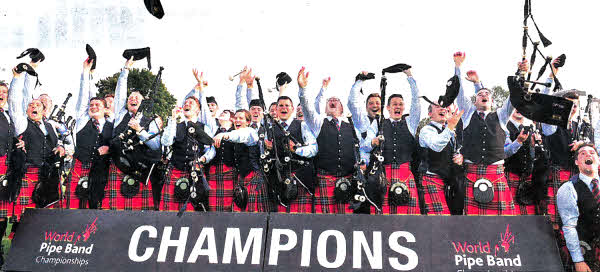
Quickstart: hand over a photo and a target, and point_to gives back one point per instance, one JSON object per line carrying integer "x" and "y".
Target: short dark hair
{"x": 3, "y": 84}
{"x": 586, "y": 145}
{"x": 195, "y": 100}
{"x": 109, "y": 95}
{"x": 283, "y": 97}
{"x": 394, "y": 96}
{"x": 371, "y": 96}
{"x": 99, "y": 99}
{"x": 273, "y": 104}
{"x": 246, "y": 113}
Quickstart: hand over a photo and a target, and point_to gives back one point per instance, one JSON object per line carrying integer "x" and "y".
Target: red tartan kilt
{"x": 79, "y": 170}
{"x": 5, "y": 206}
{"x": 302, "y": 204}
{"x": 435, "y": 196}
{"x": 400, "y": 173}
{"x": 513, "y": 182}
{"x": 257, "y": 193}
{"x": 558, "y": 176}
{"x": 27, "y": 186}
{"x": 501, "y": 204}
{"x": 168, "y": 202}
{"x": 324, "y": 197}
{"x": 114, "y": 200}
{"x": 220, "y": 180}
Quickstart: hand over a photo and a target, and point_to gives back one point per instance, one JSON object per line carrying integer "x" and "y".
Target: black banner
{"x": 91, "y": 240}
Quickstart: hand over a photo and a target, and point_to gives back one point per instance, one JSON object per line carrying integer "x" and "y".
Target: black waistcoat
{"x": 336, "y": 149}
{"x": 558, "y": 145}
{"x": 520, "y": 162}
{"x": 7, "y": 132}
{"x": 484, "y": 139}
{"x": 295, "y": 130}
{"x": 399, "y": 144}
{"x": 182, "y": 146}
{"x": 89, "y": 140}
{"x": 39, "y": 146}
{"x": 588, "y": 226}
{"x": 143, "y": 152}
{"x": 225, "y": 153}
{"x": 439, "y": 162}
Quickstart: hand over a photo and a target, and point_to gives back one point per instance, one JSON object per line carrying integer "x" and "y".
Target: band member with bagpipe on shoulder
{"x": 397, "y": 146}
{"x": 128, "y": 185}
{"x": 93, "y": 136}
{"x": 336, "y": 159}
{"x": 39, "y": 185}
{"x": 185, "y": 133}
{"x": 296, "y": 145}
{"x": 578, "y": 202}
{"x": 484, "y": 134}
{"x": 249, "y": 193}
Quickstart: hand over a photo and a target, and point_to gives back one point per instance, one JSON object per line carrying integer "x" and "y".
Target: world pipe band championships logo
{"x": 479, "y": 254}
{"x": 67, "y": 247}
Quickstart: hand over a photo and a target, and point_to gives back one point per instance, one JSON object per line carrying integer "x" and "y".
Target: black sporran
{"x": 82, "y": 191}
{"x": 483, "y": 191}
{"x": 240, "y": 197}
{"x": 129, "y": 187}
{"x": 525, "y": 193}
{"x": 289, "y": 190}
{"x": 343, "y": 190}
{"x": 181, "y": 190}
{"x": 399, "y": 194}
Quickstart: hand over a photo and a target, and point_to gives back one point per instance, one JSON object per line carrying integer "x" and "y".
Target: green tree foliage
{"x": 141, "y": 80}
{"x": 499, "y": 95}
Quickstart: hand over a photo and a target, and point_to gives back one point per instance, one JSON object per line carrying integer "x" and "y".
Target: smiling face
{"x": 35, "y": 110}
{"x": 438, "y": 114}
{"x": 3, "y": 95}
{"x": 241, "y": 119}
{"x": 396, "y": 108}
{"x": 587, "y": 160}
{"x": 110, "y": 103}
{"x": 483, "y": 100}
{"x": 134, "y": 101}
{"x": 285, "y": 108}
{"x": 374, "y": 106}
{"x": 96, "y": 108}
{"x": 191, "y": 108}
{"x": 334, "y": 107}
{"x": 299, "y": 113}
{"x": 213, "y": 108}
{"x": 225, "y": 119}
{"x": 257, "y": 113}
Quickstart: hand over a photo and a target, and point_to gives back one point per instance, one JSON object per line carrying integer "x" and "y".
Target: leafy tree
{"x": 499, "y": 95}
{"x": 141, "y": 80}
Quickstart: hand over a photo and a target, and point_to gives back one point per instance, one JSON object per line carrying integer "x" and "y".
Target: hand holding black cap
{"x": 24, "y": 67}
{"x": 283, "y": 78}
{"x": 364, "y": 77}
{"x": 91, "y": 55}
{"x": 559, "y": 61}
{"x": 452, "y": 88}
{"x": 138, "y": 54}
{"x": 155, "y": 8}
{"x": 35, "y": 54}
{"x": 397, "y": 68}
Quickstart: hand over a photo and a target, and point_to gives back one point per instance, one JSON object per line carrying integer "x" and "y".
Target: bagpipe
{"x": 129, "y": 162}
{"x": 282, "y": 183}
{"x": 195, "y": 189}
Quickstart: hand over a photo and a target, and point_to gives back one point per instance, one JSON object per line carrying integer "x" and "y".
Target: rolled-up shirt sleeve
{"x": 154, "y": 143}
{"x": 566, "y": 201}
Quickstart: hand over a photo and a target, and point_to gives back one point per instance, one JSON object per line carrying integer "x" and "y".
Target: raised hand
{"x": 523, "y": 66}
{"x": 87, "y": 66}
{"x": 326, "y": 82}
{"x": 472, "y": 76}
{"x": 459, "y": 58}
{"x": 454, "y": 118}
{"x": 522, "y": 136}
{"x": 249, "y": 78}
{"x": 201, "y": 83}
{"x": 129, "y": 63}
{"x": 302, "y": 78}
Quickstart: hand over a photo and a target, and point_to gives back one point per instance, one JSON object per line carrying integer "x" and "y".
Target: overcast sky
{"x": 330, "y": 38}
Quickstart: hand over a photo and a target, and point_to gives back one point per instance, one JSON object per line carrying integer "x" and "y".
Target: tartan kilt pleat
{"x": 5, "y": 206}
{"x": 513, "y": 183}
{"x": 434, "y": 195}
{"x": 558, "y": 176}
{"x": 114, "y": 200}
{"x": 24, "y": 200}
{"x": 324, "y": 198}
{"x": 302, "y": 204}
{"x": 257, "y": 193}
{"x": 79, "y": 170}
{"x": 168, "y": 202}
{"x": 400, "y": 173}
{"x": 501, "y": 204}
{"x": 220, "y": 179}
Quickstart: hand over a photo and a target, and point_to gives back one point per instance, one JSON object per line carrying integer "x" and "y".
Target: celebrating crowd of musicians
{"x": 307, "y": 154}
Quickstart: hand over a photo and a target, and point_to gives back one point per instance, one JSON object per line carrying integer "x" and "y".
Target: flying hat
{"x": 452, "y": 88}
{"x": 138, "y": 54}
{"x": 155, "y": 8}
{"x": 35, "y": 54}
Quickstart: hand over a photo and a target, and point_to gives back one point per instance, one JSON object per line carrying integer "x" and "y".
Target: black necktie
{"x": 595, "y": 190}
{"x": 284, "y": 125}
{"x": 254, "y": 126}
{"x": 97, "y": 125}
{"x": 482, "y": 115}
